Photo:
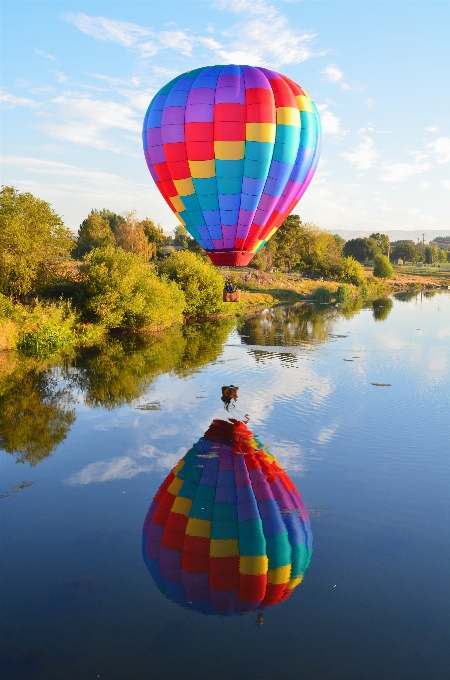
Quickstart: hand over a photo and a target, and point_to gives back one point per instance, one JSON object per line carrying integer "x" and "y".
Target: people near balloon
{"x": 227, "y": 532}
{"x": 232, "y": 149}
{"x": 229, "y": 395}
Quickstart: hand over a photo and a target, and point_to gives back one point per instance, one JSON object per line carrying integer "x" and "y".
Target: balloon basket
{"x": 234, "y": 296}
{"x": 230, "y": 258}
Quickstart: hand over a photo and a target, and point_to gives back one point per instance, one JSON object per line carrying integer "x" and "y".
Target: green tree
{"x": 155, "y": 234}
{"x": 382, "y": 241}
{"x": 406, "y": 251}
{"x": 94, "y": 232}
{"x": 382, "y": 268}
{"x": 347, "y": 269}
{"x": 431, "y": 254}
{"x": 33, "y": 241}
{"x": 121, "y": 291}
{"x": 181, "y": 237}
{"x": 198, "y": 279}
{"x": 361, "y": 249}
{"x": 111, "y": 217}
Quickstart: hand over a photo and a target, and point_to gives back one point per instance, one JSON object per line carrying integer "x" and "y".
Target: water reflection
{"x": 302, "y": 324}
{"x": 36, "y": 399}
{"x": 382, "y": 308}
{"x": 227, "y": 532}
{"x": 35, "y": 415}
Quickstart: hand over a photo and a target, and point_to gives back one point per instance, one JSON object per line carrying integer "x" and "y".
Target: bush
{"x": 349, "y": 271}
{"x": 343, "y": 293}
{"x": 322, "y": 295}
{"x": 198, "y": 279}
{"x": 121, "y": 291}
{"x": 382, "y": 268}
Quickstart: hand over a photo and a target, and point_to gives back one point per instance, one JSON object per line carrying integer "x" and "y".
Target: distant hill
{"x": 396, "y": 234}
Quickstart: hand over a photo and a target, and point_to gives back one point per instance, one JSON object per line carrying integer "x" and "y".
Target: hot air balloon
{"x": 227, "y": 532}
{"x": 232, "y": 149}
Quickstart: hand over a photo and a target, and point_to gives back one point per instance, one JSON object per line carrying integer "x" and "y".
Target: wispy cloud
{"x": 101, "y": 28}
{"x": 399, "y": 172}
{"x": 263, "y": 37}
{"x": 446, "y": 183}
{"x": 365, "y": 154}
{"x": 431, "y": 128}
{"x": 43, "y": 54}
{"x": 10, "y": 101}
{"x": 441, "y": 149}
{"x": 335, "y": 75}
{"x": 331, "y": 124}
{"x": 60, "y": 76}
{"x": 83, "y": 120}
{"x": 266, "y": 39}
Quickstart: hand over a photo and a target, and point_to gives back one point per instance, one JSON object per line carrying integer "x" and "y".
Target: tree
{"x": 121, "y": 291}
{"x": 130, "y": 236}
{"x": 33, "y": 239}
{"x": 431, "y": 254}
{"x": 362, "y": 249}
{"x": 198, "y": 279}
{"x": 406, "y": 251}
{"x": 94, "y": 232}
{"x": 382, "y": 241}
{"x": 182, "y": 237}
{"x": 155, "y": 234}
{"x": 382, "y": 268}
{"x": 111, "y": 217}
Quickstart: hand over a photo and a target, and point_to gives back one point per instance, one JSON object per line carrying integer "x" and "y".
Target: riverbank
{"x": 262, "y": 289}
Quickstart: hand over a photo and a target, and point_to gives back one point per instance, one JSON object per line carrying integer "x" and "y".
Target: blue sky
{"x": 77, "y": 78}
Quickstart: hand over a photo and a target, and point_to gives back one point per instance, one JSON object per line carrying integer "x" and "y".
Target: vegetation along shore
{"x": 122, "y": 275}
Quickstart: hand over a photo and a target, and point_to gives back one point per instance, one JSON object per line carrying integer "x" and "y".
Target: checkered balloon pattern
{"x": 232, "y": 149}
{"x": 227, "y": 532}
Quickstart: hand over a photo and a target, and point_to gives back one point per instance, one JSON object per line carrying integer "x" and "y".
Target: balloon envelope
{"x": 232, "y": 149}
{"x": 227, "y": 532}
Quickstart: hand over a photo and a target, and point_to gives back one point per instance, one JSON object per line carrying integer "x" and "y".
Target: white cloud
{"x": 441, "y": 149}
{"x": 83, "y": 120}
{"x": 399, "y": 172}
{"x": 43, "y": 54}
{"x": 177, "y": 40}
{"x": 10, "y": 101}
{"x": 446, "y": 183}
{"x": 431, "y": 128}
{"x": 424, "y": 185}
{"x": 122, "y": 32}
{"x": 331, "y": 124}
{"x": 365, "y": 154}
{"x": 265, "y": 39}
{"x": 335, "y": 75}
{"x": 60, "y": 76}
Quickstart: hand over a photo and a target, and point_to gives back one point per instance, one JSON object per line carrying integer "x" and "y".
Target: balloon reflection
{"x": 227, "y": 532}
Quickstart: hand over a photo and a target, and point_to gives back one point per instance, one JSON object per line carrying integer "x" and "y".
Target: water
{"x": 98, "y": 434}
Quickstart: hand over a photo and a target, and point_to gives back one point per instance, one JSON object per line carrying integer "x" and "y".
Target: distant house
{"x": 400, "y": 261}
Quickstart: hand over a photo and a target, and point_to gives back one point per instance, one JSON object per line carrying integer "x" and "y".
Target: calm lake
{"x": 352, "y": 401}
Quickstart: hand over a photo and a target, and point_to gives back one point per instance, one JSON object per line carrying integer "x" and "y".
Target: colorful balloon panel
{"x": 227, "y": 532}
{"x": 232, "y": 149}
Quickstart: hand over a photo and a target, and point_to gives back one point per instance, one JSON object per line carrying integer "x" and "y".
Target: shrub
{"x": 382, "y": 268}
{"x": 349, "y": 271}
{"x": 121, "y": 291}
{"x": 198, "y": 279}
{"x": 343, "y": 293}
{"x": 322, "y": 295}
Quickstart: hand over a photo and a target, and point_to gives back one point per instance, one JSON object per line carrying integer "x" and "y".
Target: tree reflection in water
{"x": 36, "y": 400}
{"x": 35, "y": 415}
{"x": 382, "y": 308}
{"x": 303, "y": 324}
